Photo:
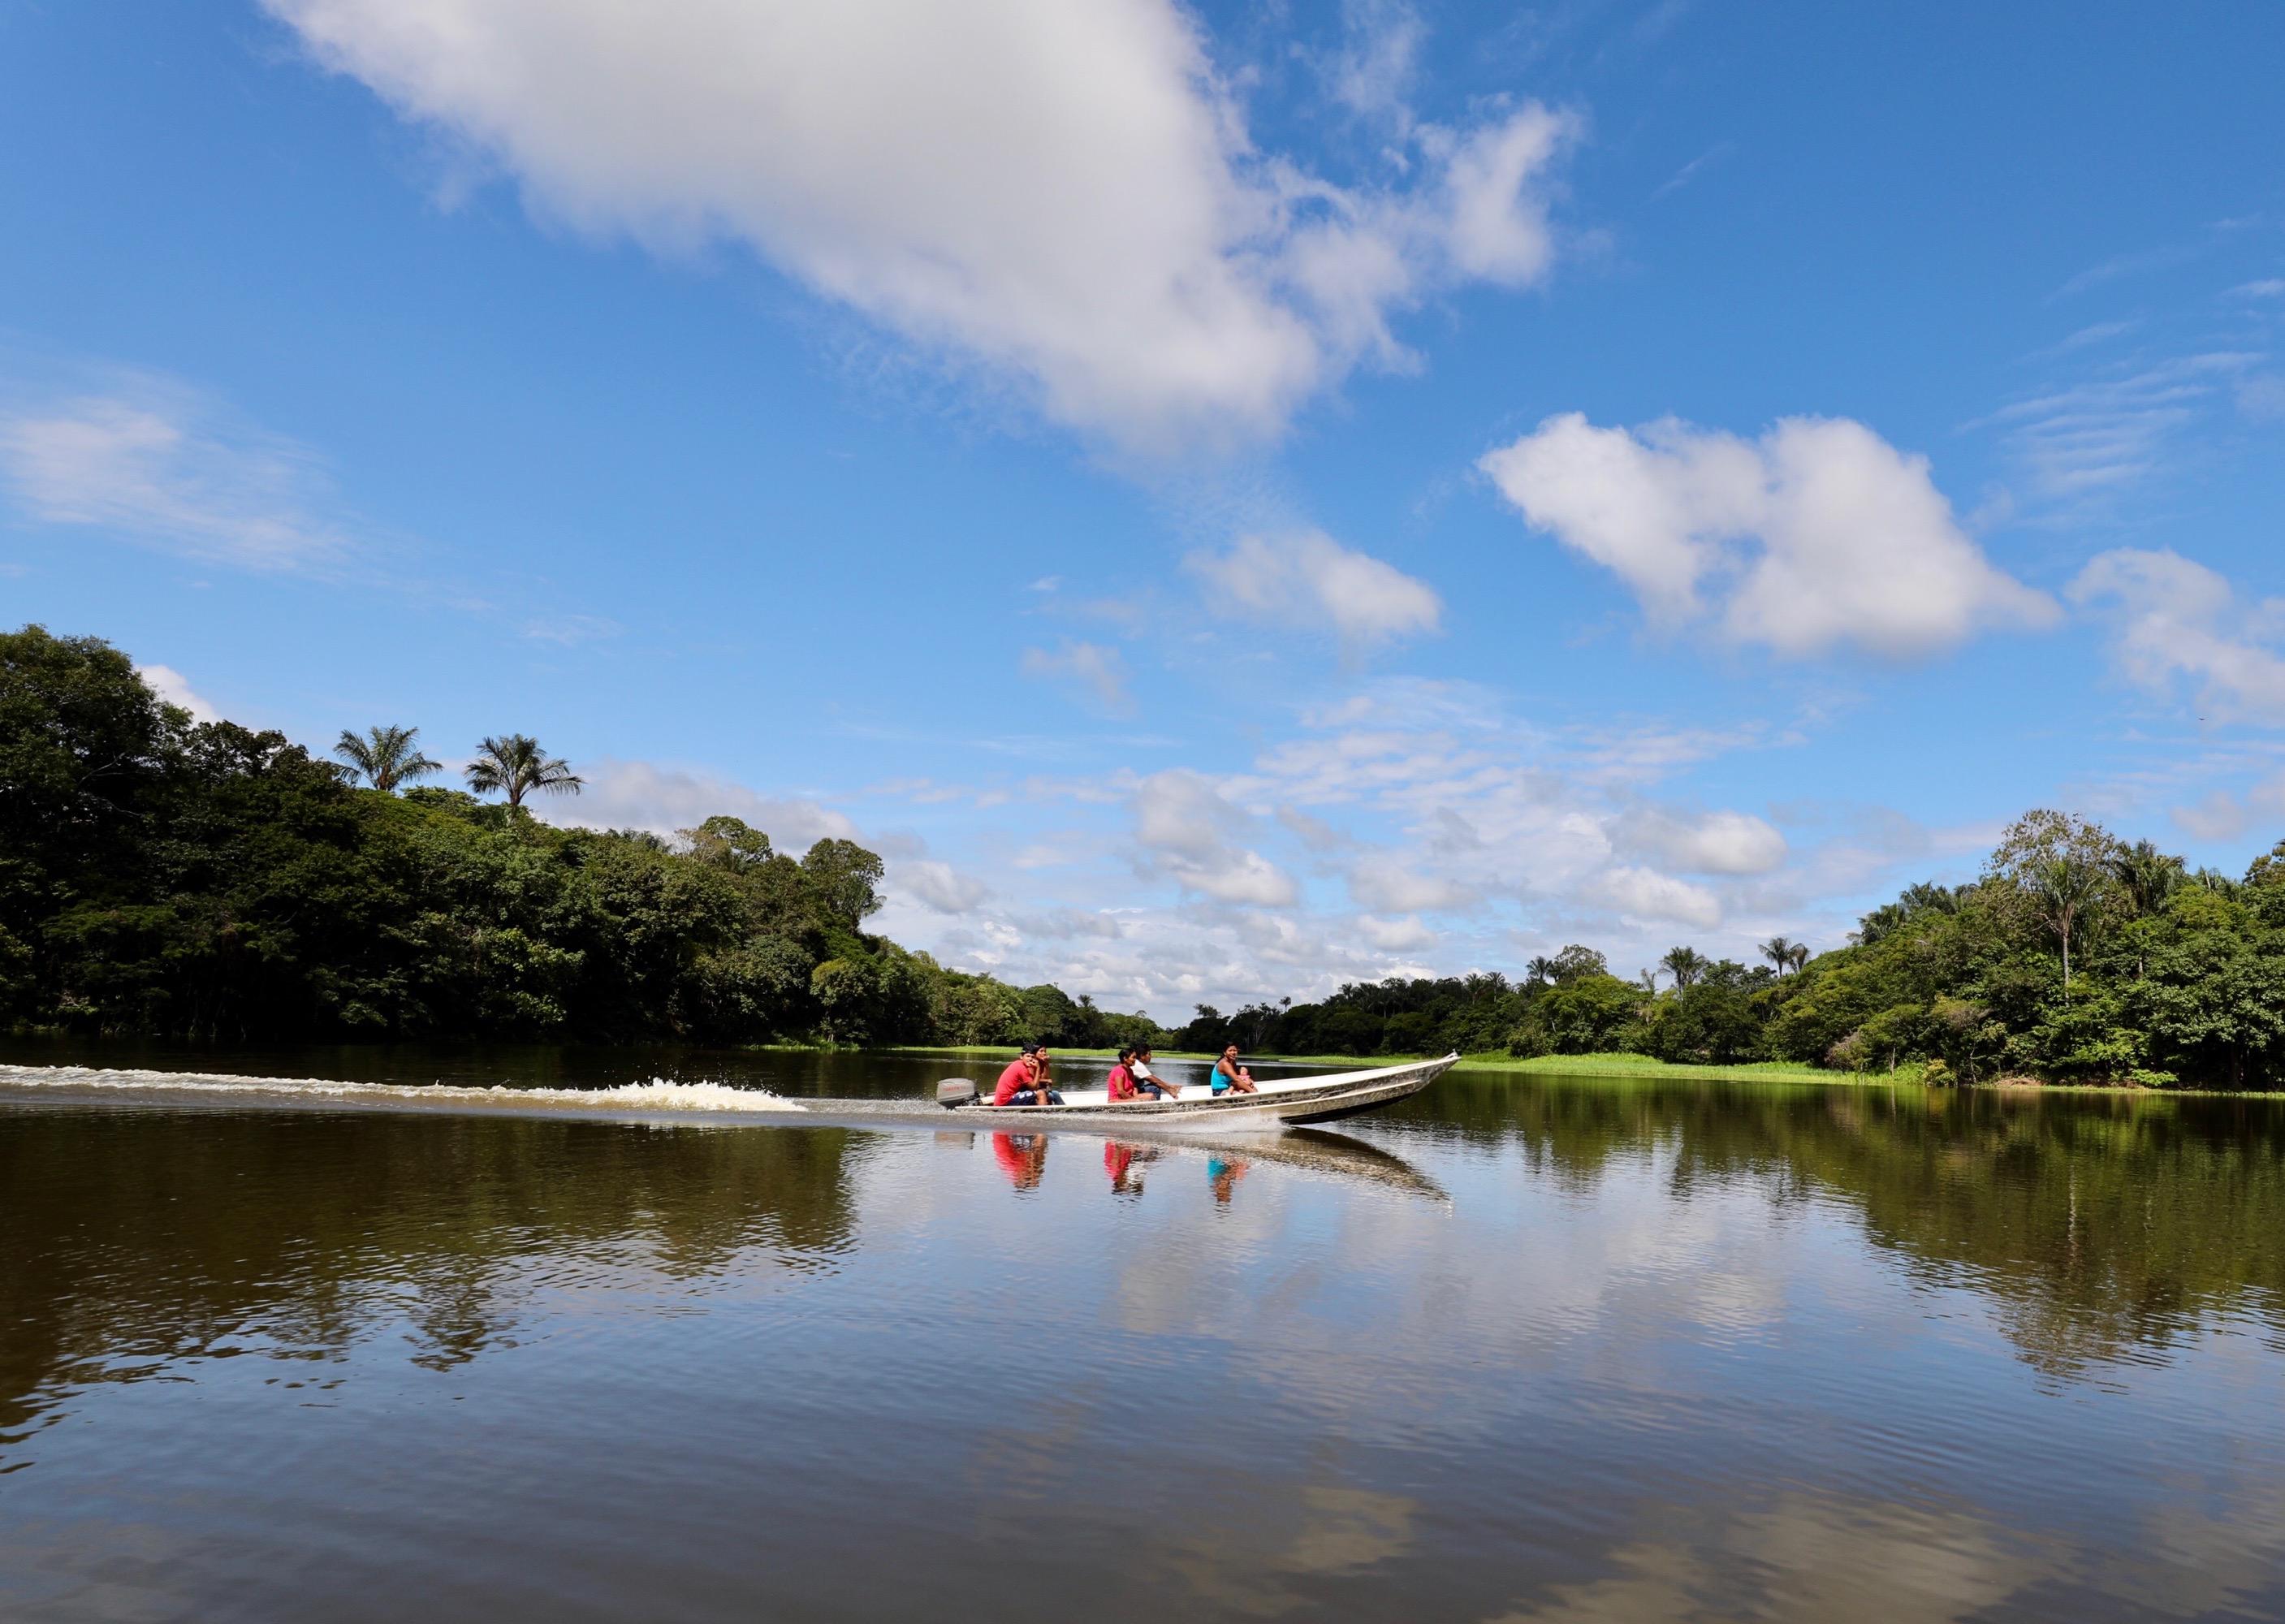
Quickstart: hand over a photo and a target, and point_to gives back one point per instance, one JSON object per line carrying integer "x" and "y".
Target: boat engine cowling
{"x": 955, "y": 1092}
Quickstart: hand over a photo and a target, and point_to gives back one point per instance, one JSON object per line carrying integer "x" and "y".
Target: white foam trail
{"x": 657, "y": 1094}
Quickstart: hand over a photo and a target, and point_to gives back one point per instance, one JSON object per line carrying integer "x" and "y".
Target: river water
{"x": 1520, "y": 1349}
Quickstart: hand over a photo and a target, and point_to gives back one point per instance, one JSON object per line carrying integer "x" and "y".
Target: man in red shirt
{"x": 1024, "y": 1082}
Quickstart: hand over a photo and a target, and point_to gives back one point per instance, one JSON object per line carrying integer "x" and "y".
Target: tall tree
{"x": 1779, "y": 951}
{"x": 847, "y": 879}
{"x": 1576, "y": 960}
{"x": 515, "y": 765}
{"x": 2064, "y": 893}
{"x": 1800, "y": 956}
{"x": 1684, "y": 964}
{"x": 387, "y": 757}
{"x": 1539, "y": 971}
{"x": 2059, "y": 869}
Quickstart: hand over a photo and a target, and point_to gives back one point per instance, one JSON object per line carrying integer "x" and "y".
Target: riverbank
{"x": 1617, "y": 1065}
{"x": 1612, "y": 1064}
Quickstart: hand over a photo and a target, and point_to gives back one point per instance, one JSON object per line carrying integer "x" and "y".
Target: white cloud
{"x": 1818, "y": 533}
{"x": 1395, "y": 935}
{"x": 1100, "y": 670}
{"x": 1650, "y": 897}
{"x": 1064, "y": 194}
{"x": 937, "y": 886}
{"x": 2175, "y": 618}
{"x": 2218, "y": 816}
{"x": 1064, "y": 923}
{"x": 1186, "y": 826}
{"x": 171, "y": 686}
{"x": 1307, "y": 582}
{"x": 157, "y": 465}
{"x": 641, "y": 795}
{"x": 1372, "y": 76}
{"x": 2085, "y": 441}
{"x": 1385, "y": 885}
{"x": 1716, "y": 843}
{"x": 570, "y": 631}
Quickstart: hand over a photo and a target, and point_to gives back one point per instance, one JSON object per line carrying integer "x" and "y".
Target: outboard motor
{"x": 955, "y": 1092}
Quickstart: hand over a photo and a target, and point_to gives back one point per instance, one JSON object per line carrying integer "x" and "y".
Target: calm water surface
{"x": 1523, "y": 1349}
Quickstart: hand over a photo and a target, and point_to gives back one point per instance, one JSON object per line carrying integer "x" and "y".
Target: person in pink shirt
{"x": 1125, "y": 1086}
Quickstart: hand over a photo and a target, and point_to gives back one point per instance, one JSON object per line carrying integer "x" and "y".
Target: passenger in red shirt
{"x": 1024, "y": 1082}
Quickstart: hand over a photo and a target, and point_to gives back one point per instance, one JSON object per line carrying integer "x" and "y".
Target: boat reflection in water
{"x": 1127, "y": 1163}
{"x": 1022, "y": 1156}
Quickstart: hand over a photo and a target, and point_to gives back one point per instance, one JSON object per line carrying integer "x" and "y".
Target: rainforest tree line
{"x": 164, "y": 877}
{"x": 167, "y": 878}
{"x": 2073, "y": 957}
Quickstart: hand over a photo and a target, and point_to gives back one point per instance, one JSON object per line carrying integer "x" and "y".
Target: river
{"x": 1520, "y": 1349}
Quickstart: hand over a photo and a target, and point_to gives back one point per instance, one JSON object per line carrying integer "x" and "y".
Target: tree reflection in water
{"x": 2108, "y": 1226}
{"x": 138, "y": 1240}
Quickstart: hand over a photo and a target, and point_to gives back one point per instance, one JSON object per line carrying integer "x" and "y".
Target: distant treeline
{"x": 2073, "y": 958}
{"x": 162, "y": 878}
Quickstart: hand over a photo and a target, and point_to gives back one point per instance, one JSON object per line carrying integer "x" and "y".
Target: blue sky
{"x": 1228, "y": 499}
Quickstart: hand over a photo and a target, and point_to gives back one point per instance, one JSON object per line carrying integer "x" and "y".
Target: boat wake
{"x": 657, "y": 1095}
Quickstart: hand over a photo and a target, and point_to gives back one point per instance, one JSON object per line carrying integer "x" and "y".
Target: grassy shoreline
{"x": 1620, "y": 1065}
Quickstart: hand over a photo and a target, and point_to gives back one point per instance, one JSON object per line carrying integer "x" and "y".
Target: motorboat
{"x": 1319, "y": 1097}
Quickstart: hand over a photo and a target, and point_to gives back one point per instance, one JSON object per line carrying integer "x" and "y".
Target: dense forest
{"x": 164, "y": 877}
{"x": 167, "y": 878}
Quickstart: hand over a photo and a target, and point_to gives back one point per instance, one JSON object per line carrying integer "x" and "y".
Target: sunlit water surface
{"x": 1520, "y": 1349}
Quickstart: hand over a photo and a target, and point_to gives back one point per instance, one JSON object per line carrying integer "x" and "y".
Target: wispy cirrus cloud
{"x": 1094, "y": 669}
{"x": 2117, "y": 427}
{"x": 152, "y": 462}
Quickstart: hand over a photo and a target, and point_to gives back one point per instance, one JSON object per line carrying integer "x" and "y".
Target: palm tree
{"x": 2147, "y": 876}
{"x": 1800, "y": 956}
{"x": 2062, "y": 889}
{"x": 1684, "y": 964}
{"x": 386, "y": 755}
{"x": 1540, "y": 971}
{"x": 1648, "y": 980}
{"x": 516, "y": 765}
{"x": 1779, "y": 951}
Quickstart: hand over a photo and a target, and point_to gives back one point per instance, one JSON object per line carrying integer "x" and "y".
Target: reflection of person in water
{"x": 1223, "y": 1178}
{"x": 1119, "y": 1161}
{"x": 1022, "y": 1156}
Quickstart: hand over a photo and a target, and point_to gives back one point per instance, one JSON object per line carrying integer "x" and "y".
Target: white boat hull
{"x": 1276, "y": 1103}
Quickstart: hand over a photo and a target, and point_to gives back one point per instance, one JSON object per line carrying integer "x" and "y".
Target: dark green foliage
{"x": 1715, "y": 1018}
{"x": 166, "y": 879}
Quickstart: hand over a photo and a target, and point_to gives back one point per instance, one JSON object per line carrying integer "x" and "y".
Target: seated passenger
{"x": 1124, "y": 1087}
{"x": 1024, "y": 1082}
{"x": 1228, "y": 1076}
{"x": 1145, "y": 1077}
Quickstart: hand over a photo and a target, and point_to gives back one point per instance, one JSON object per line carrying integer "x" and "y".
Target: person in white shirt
{"x": 1141, "y": 1067}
